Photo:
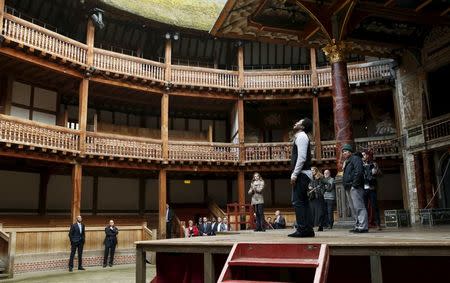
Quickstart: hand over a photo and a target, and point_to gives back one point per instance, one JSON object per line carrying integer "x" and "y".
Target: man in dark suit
{"x": 205, "y": 229}
{"x": 280, "y": 222}
{"x": 77, "y": 237}
{"x": 169, "y": 218}
{"x": 110, "y": 242}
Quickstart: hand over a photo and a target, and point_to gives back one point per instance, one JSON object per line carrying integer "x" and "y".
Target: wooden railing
{"x": 204, "y": 77}
{"x": 277, "y": 79}
{"x": 128, "y": 65}
{"x": 436, "y": 129}
{"x": 381, "y": 146}
{"x": 123, "y": 146}
{"x": 201, "y": 151}
{"x": 35, "y": 134}
{"x": 365, "y": 72}
{"x": 5, "y": 251}
{"x": 267, "y": 152}
{"x": 35, "y": 37}
{"x": 328, "y": 150}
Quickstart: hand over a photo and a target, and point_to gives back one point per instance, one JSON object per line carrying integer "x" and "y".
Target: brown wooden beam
{"x": 168, "y": 60}
{"x": 2, "y": 8}
{"x": 241, "y": 187}
{"x": 241, "y": 130}
{"x": 316, "y": 130}
{"x": 76, "y": 191}
{"x": 422, "y": 5}
{"x": 82, "y": 113}
{"x": 162, "y": 192}
{"x": 90, "y": 36}
{"x": 165, "y": 126}
{"x": 240, "y": 60}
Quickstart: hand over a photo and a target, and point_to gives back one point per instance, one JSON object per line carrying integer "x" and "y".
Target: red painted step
{"x": 276, "y": 263}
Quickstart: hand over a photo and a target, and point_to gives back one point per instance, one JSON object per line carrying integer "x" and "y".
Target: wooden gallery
{"x": 111, "y": 109}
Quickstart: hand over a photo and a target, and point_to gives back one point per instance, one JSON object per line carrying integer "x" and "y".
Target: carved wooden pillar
{"x": 168, "y": 60}
{"x": 313, "y": 63}
{"x": 342, "y": 109}
{"x": 428, "y": 179}
{"x": 162, "y": 189}
{"x": 241, "y": 130}
{"x": 2, "y": 7}
{"x": 90, "y": 42}
{"x": 316, "y": 116}
{"x": 241, "y": 187}
{"x": 165, "y": 126}
{"x": 418, "y": 169}
{"x": 82, "y": 112}
{"x": 76, "y": 191}
{"x": 240, "y": 60}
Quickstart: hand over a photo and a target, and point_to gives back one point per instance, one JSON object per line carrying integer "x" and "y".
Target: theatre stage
{"x": 384, "y": 254}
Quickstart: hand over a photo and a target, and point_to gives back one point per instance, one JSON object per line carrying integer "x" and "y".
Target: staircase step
{"x": 2, "y": 269}
{"x": 4, "y": 275}
{"x": 274, "y": 262}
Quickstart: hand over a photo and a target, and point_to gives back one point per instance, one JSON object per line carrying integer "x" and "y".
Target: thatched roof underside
{"x": 192, "y": 14}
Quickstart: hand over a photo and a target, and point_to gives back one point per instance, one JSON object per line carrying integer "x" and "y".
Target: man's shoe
{"x": 110, "y": 265}
{"x": 70, "y": 269}
{"x": 320, "y": 229}
{"x": 352, "y": 230}
{"x": 302, "y": 234}
{"x": 81, "y": 268}
{"x": 296, "y": 234}
{"x": 361, "y": 231}
{"x": 104, "y": 265}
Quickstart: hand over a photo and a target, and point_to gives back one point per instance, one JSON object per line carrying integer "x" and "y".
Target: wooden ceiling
{"x": 374, "y": 27}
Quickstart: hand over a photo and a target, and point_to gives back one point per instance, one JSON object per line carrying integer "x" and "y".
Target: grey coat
{"x": 256, "y": 190}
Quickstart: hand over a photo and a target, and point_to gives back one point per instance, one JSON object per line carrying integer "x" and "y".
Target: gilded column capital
{"x": 336, "y": 51}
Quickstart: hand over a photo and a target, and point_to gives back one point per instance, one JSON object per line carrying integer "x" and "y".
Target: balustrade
{"x": 198, "y": 151}
{"x": 204, "y": 77}
{"x": 365, "y": 72}
{"x": 34, "y": 134}
{"x": 260, "y": 152}
{"x": 128, "y": 65}
{"x": 123, "y": 146}
{"x": 437, "y": 128}
{"x": 277, "y": 79}
{"x": 44, "y": 40}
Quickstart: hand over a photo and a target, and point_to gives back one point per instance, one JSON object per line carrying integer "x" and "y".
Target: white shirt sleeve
{"x": 301, "y": 141}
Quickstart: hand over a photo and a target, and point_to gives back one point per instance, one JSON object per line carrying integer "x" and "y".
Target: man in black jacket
{"x": 169, "y": 219}
{"x": 110, "y": 242}
{"x": 76, "y": 236}
{"x": 353, "y": 180}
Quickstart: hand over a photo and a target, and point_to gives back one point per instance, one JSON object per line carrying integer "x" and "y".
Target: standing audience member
{"x": 191, "y": 230}
{"x": 353, "y": 181}
{"x": 205, "y": 229}
{"x": 77, "y": 237}
{"x": 256, "y": 191}
{"x": 110, "y": 243}
{"x": 371, "y": 171}
{"x": 330, "y": 197}
{"x": 214, "y": 225}
{"x": 279, "y": 222}
{"x": 268, "y": 224}
{"x": 301, "y": 176}
{"x": 225, "y": 226}
{"x": 169, "y": 219}
{"x": 315, "y": 193}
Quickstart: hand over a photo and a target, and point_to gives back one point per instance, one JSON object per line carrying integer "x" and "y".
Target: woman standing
{"x": 315, "y": 194}
{"x": 256, "y": 191}
{"x": 371, "y": 172}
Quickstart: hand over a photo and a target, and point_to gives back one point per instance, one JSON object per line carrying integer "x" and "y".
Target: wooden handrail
{"x": 123, "y": 137}
{"x": 4, "y": 236}
{"x": 62, "y": 229}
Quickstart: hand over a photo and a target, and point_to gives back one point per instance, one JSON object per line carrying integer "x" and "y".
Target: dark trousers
{"x": 168, "y": 230}
{"x": 318, "y": 211}
{"x": 73, "y": 248}
{"x": 329, "y": 206}
{"x": 301, "y": 204}
{"x": 371, "y": 195}
{"x": 110, "y": 249}
{"x": 259, "y": 211}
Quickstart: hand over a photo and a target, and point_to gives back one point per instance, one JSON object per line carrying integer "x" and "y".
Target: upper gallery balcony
{"x": 58, "y": 48}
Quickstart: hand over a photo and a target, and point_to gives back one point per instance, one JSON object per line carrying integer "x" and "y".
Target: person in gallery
{"x": 256, "y": 191}
{"x": 301, "y": 176}
{"x": 77, "y": 237}
{"x": 110, "y": 243}
{"x": 169, "y": 219}
{"x": 371, "y": 171}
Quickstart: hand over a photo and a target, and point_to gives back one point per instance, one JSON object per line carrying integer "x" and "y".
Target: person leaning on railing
{"x": 191, "y": 230}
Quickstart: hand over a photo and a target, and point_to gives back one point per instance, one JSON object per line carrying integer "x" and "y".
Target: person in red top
{"x": 191, "y": 230}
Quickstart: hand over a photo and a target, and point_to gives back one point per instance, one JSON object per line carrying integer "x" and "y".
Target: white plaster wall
{"x": 118, "y": 193}
{"x": 19, "y": 190}
{"x": 186, "y": 193}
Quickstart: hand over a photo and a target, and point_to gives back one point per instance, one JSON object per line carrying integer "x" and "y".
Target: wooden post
{"x": 11, "y": 253}
{"x": 142, "y": 182}
{"x": 2, "y": 8}
{"x": 90, "y": 42}
{"x": 44, "y": 177}
{"x": 314, "y": 78}
{"x": 240, "y": 60}
{"x": 208, "y": 268}
{"x": 66, "y": 118}
{"x": 165, "y": 126}
{"x": 168, "y": 60}
{"x": 95, "y": 122}
{"x": 82, "y": 113}
{"x": 241, "y": 130}
{"x": 76, "y": 191}
{"x": 375, "y": 269}
{"x": 241, "y": 187}
{"x": 140, "y": 265}
{"x": 316, "y": 121}
{"x": 162, "y": 203}
{"x": 210, "y": 133}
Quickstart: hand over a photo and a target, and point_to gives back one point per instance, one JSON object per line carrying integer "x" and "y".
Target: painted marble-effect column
{"x": 336, "y": 53}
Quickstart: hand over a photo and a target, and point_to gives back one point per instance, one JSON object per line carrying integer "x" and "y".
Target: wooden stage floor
{"x": 400, "y": 248}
